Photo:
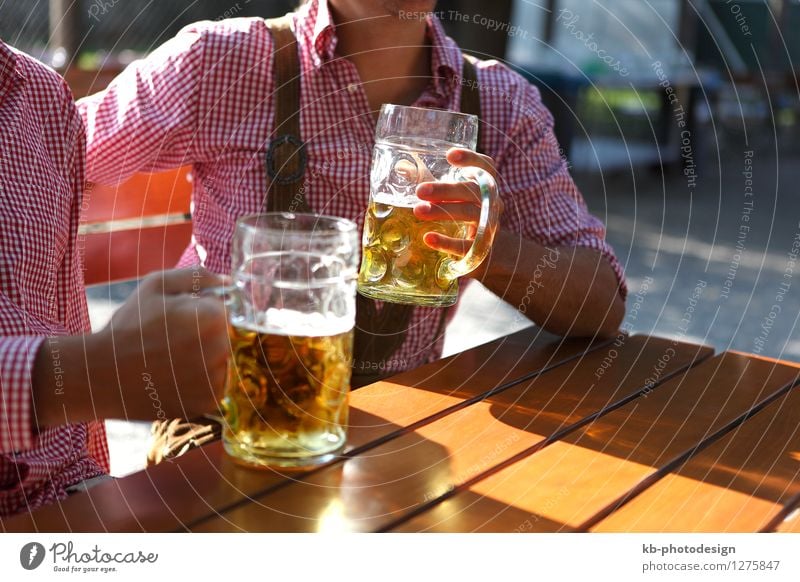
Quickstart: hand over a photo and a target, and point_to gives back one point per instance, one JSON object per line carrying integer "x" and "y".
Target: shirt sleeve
{"x": 17, "y": 355}
{"x": 18, "y": 348}
{"x": 542, "y": 201}
{"x": 145, "y": 120}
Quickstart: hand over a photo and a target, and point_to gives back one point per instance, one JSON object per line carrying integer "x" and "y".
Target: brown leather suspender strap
{"x": 286, "y": 156}
{"x": 379, "y": 332}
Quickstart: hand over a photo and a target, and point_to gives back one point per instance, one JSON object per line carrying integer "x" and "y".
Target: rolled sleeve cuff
{"x": 17, "y": 426}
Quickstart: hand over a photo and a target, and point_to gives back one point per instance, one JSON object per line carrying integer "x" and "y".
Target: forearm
{"x": 72, "y": 380}
{"x": 571, "y": 291}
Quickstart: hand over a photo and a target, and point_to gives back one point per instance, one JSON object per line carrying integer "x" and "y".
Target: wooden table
{"x": 527, "y": 433}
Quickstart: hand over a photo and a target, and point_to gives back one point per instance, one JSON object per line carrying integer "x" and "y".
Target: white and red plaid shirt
{"x": 42, "y": 151}
{"x": 205, "y": 99}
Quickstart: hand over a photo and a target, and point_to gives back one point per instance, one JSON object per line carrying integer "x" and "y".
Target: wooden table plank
{"x": 206, "y": 481}
{"x": 571, "y": 481}
{"x": 370, "y": 491}
{"x": 736, "y": 485}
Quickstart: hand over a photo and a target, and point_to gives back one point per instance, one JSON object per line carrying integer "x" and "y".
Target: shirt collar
{"x": 315, "y": 17}
{"x": 9, "y": 68}
{"x": 446, "y": 56}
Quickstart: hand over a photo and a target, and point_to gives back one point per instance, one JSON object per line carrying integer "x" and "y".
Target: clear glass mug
{"x": 411, "y": 144}
{"x": 291, "y": 313}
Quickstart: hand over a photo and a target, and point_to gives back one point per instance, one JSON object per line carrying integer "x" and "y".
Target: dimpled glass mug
{"x": 291, "y": 313}
{"x": 411, "y": 145}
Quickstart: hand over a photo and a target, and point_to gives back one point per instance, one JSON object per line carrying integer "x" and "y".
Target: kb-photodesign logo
{"x": 31, "y": 555}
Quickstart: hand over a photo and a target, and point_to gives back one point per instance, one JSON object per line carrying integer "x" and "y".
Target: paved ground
{"x": 741, "y": 247}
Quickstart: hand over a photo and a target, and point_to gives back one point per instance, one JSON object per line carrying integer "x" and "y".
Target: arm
{"x": 144, "y": 365}
{"x": 569, "y": 290}
{"x": 164, "y": 353}
{"x": 17, "y": 355}
{"x": 146, "y": 120}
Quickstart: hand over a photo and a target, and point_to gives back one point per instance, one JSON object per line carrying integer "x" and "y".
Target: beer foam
{"x": 390, "y": 199}
{"x": 296, "y": 323}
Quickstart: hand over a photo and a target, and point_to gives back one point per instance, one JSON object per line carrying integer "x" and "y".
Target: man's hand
{"x": 170, "y": 345}
{"x": 456, "y": 201}
{"x": 163, "y": 355}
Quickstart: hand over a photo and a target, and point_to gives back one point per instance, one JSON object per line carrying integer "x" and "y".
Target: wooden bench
{"x": 138, "y": 226}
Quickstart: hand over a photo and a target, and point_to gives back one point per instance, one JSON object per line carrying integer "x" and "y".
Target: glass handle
{"x": 224, "y": 292}
{"x": 229, "y": 294}
{"x": 487, "y": 226}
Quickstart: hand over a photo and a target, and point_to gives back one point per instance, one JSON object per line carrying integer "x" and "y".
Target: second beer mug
{"x": 291, "y": 314}
{"x": 411, "y": 145}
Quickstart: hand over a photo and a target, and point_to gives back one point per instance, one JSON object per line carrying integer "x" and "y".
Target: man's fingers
{"x": 462, "y": 158}
{"x": 446, "y": 244}
{"x": 450, "y": 192}
{"x": 459, "y": 212}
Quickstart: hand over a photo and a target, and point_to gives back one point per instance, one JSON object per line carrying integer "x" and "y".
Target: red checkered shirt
{"x": 42, "y": 150}
{"x": 205, "y": 99}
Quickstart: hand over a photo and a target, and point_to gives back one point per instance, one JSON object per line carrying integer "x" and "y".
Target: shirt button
{"x": 352, "y": 87}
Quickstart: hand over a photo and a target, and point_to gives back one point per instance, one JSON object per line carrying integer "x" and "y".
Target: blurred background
{"x": 678, "y": 119}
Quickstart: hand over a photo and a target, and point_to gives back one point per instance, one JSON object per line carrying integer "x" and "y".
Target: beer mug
{"x": 411, "y": 144}
{"x": 291, "y": 313}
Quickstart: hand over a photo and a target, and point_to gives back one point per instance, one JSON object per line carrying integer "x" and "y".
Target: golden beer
{"x": 397, "y": 265}
{"x": 286, "y": 396}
